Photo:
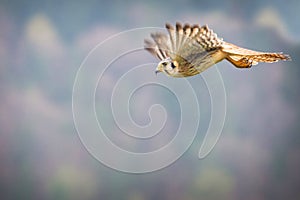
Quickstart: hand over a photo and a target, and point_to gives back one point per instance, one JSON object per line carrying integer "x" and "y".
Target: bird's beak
{"x": 158, "y": 69}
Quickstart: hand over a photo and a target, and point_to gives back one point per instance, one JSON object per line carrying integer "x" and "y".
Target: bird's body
{"x": 189, "y": 50}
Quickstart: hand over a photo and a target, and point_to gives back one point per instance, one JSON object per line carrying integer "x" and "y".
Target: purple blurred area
{"x": 42, "y": 45}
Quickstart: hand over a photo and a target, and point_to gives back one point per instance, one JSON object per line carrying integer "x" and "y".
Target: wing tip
{"x": 178, "y": 25}
{"x": 169, "y": 26}
{"x": 147, "y": 43}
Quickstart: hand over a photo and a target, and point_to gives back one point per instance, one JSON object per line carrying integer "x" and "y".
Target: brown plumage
{"x": 188, "y": 50}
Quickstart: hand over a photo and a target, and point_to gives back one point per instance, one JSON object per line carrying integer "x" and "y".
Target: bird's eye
{"x": 172, "y": 65}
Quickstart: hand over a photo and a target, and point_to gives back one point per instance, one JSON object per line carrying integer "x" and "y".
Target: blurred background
{"x": 42, "y": 44}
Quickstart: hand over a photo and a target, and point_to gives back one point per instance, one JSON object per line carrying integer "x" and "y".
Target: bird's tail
{"x": 245, "y": 58}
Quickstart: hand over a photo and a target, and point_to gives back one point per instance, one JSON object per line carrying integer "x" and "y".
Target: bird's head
{"x": 168, "y": 67}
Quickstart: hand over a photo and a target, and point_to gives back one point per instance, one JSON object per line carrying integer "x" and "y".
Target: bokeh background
{"x": 42, "y": 44}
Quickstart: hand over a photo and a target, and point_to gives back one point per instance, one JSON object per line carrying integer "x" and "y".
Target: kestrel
{"x": 189, "y": 50}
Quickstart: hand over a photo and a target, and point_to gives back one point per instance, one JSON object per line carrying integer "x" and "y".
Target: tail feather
{"x": 245, "y": 58}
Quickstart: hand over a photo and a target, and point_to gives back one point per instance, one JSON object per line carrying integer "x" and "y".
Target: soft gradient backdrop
{"x": 42, "y": 44}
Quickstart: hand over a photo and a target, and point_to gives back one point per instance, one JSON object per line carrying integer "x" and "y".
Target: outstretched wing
{"x": 195, "y": 45}
{"x": 187, "y": 36}
{"x": 185, "y": 44}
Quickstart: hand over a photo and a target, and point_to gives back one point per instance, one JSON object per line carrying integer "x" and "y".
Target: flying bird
{"x": 189, "y": 50}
